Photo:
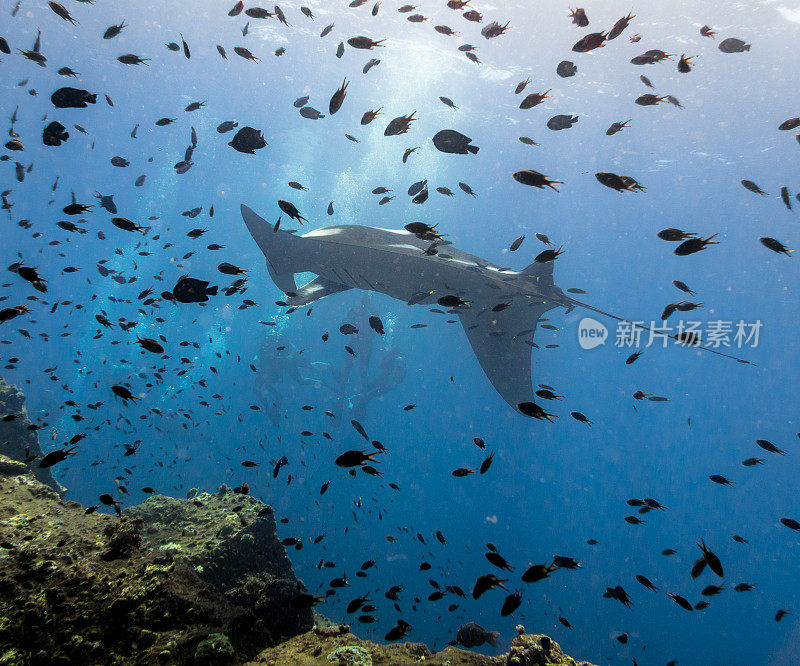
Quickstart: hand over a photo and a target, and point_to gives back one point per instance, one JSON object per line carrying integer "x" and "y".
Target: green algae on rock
{"x": 230, "y": 541}
{"x": 340, "y": 647}
{"x": 215, "y": 650}
{"x": 350, "y": 655}
{"x": 97, "y": 589}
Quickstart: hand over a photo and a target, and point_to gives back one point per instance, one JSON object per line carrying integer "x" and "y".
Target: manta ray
{"x": 502, "y": 307}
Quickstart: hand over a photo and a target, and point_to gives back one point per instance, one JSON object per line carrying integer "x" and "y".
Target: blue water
{"x": 552, "y": 486}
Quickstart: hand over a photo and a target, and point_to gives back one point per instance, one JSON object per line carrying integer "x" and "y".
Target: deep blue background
{"x": 552, "y": 486}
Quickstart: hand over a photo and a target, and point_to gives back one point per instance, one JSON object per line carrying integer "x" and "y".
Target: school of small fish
{"x": 111, "y": 403}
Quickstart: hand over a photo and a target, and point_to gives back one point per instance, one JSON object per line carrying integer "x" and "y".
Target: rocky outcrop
{"x": 201, "y": 581}
{"x": 230, "y": 541}
{"x": 341, "y": 648}
{"x": 18, "y": 438}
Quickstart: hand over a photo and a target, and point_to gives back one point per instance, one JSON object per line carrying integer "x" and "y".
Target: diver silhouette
{"x": 376, "y": 366}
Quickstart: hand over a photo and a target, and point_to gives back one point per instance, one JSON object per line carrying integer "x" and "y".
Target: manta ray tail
{"x": 661, "y": 333}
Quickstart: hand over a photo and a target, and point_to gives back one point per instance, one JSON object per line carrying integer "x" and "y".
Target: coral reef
{"x": 341, "y": 648}
{"x": 201, "y": 581}
{"x": 18, "y": 440}
{"x": 531, "y": 649}
{"x": 230, "y": 541}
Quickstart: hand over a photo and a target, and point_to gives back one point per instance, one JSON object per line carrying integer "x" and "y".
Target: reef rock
{"x": 201, "y": 581}
{"x": 531, "y": 649}
{"x": 17, "y": 440}
{"x": 341, "y": 648}
{"x": 230, "y": 541}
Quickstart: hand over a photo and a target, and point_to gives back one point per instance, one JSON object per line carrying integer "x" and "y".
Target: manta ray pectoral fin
{"x": 283, "y": 280}
{"x": 504, "y": 355}
{"x": 267, "y": 238}
{"x": 312, "y": 291}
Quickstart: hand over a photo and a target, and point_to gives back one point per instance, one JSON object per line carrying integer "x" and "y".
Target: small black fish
{"x": 337, "y": 99}
{"x": 536, "y": 573}
{"x": 711, "y": 559}
{"x": 487, "y": 463}
{"x": 451, "y": 141}
{"x": 786, "y": 197}
{"x": 791, "y": 523}
{"x": 561, "y": 122}
{"x": 355, "y": 458}
{"x": 114, "y": 30}
{"x": 733, "y": 45}
{"x": 649, "y": 100}
{"x": 769, "y": 446}
{"x": 311, "y": 113}
{"x": 753, "y": 187}
{"x": 290, "y": 209}
{"x": 281, "y": 463}
{"x": 774, "y": 245}
{"x": 681, "y": 601}
{"x": 303, "y": 601}
{"x": 646, "y": 582}
{"x": 535, "y": 179}
{"x": 377, "y": 325}
{"x": 55, "y": 457}
{"x": 487, "y": 582}
{"x": 398, "y": 631}
{"x": 399, "y": 125}
{"x": 693, "y": 245}
{"x": 511, "y": 603}
{"x": 132, "y": 59}
{"x": 359, "y": 429}
{"x": 72, "y": 98}
{"x": 192, "y": 290}
{"x": 566, "y": 69}
{"x": 54, "y": 134}
{"x": 247, "y": 140}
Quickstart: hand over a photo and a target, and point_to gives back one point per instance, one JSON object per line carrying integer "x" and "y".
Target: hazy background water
{"x": 552, "y": 486}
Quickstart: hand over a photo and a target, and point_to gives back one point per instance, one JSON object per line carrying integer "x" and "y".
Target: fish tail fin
{"x": 213, "y": 290}
{"x": 492, "y": 638}
{"x": 473, "y": 149}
